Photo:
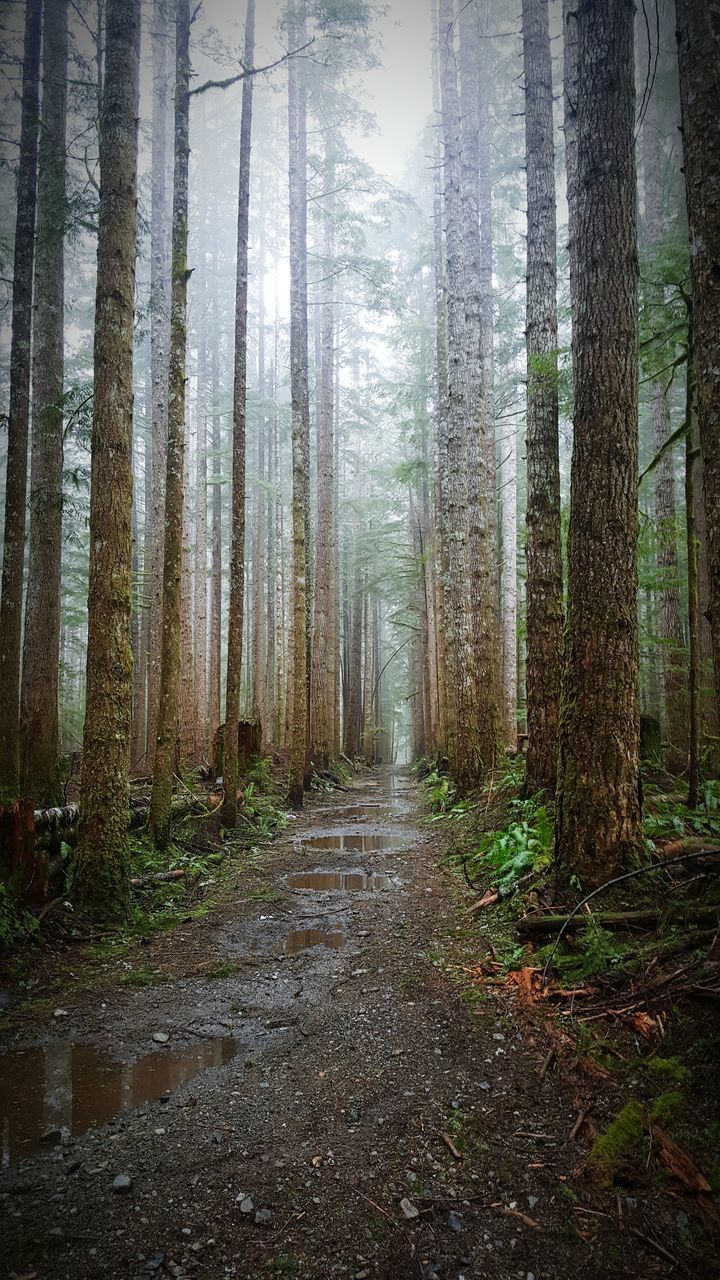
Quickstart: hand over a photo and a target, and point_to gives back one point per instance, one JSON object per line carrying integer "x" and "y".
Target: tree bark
{"x": 670, "y": 619}
{"x": 214, "y": 660}
{"x": 200, "y": 645}
{"x": 300, "y": 396}
{"x": 322, "y": 680}
{"x": 102, "y": 864}
{"x": 19, "y": 410}
{"x": 698, "y": 36}
{"x": 169, "y": 700}
{"x": 237, "y": 518}
{"x": 39, "y": 727}
{"x": 544, "y": 557}
{"x": 159, "y": 355}
{"x": 598, "y": 812}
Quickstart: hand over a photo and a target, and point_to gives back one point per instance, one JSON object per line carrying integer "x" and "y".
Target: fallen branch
{"x": 619, "y": 919}
{"x": 627, "y": 875}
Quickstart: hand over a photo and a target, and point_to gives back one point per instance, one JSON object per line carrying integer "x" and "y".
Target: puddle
{"x": 74, "y": 1088}
{"x": 304, "y": 939}
{"x": 327, "y": 881}
{"x": 357, "y": 841}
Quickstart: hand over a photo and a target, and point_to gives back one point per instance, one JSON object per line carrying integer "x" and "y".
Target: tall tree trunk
{"x": 187, "y": 671}
{"x": 322, "y": 683}
{"x": 19, "y": 410}
{"x": 698, "y": 34}
{"x": 216, "y": 539}
{"x": 473, "y": 738}
{"x": 39, "y": 744}
{"x": 544, "y": 557}
{"x": 237, "y": 519}
{"x": 440, "y": 407}
{"x": 159, "y": 356}
{"x": 259, "y": 655}
{"x": 509, "y": 585}
{"x": 200, "y": 648}
{"x": 692, "y": 452}
{"x": 300, "y": 397}
{"x": 480, "y": 460}
{"x": 486, "y": 290}
{"x": 598, "y": 811}
{"x": 670, "y": 618}
{"x": 169, "y": 700}
{"x": 101, "y": 868}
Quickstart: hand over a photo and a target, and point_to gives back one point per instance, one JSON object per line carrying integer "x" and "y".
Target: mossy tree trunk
{"x": 237, "y": 518}
{"x": 698, "y": 35}
{"x": 169, "y": 698}
{"x": 39, "y": 727}
{"x": 19, "y": 410}
{"x": 544, "y": 558}
{"x": 101, "y": 870}
{"x": 300, "y": 398}
{"x": 598, "y": 811}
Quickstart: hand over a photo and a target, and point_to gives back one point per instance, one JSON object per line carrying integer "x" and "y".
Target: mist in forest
{"x": 366, "y": 478}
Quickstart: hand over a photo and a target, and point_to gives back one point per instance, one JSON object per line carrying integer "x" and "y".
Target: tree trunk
{"x": 544, "y": 557}
{"x": 39, "y": 745}
{"x": 216, "y": 554}
{"x": 509, "y": 584}
{"x": 169, "y": 700}
{"x": 691, "y": 455}
{"x": 19, "y": 410}
{"x": 187, "y": 671}
{"x": 102, "y": 865}
{"x": 159, "y": 355}
{"x": 322, "y": 682}
{"x": 237, "y": 518}
{"x": 200, "y": 649}
{"x": 259, "y": 656}
{"x": 672, "y": 639}
{"x": 299, "y": 396}
{"x": 482, "y": 548}
{"x": 598, "y": 812}
{"x": 441, "y": 406}
{"x": 698, "y": 35}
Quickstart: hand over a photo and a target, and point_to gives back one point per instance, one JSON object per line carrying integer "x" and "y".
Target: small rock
{"x": 454, "y": 1222}
{"x": 246, "y": 1205}
{"x": 532, "y": 1201}
{"x": 160, "y": 1037}
{"x": 122, "y": 1184}
{"x": 484, "y": 1085}
{"x": 410, "y": 1211}
{"x": 61, "y": 1013}
{"x": 263, "y": 1218}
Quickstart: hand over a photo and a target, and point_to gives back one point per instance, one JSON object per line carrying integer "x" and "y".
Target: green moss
{"x": 668, "y": 1107}
{"x": 618, "y": 1141}
{"x": 668, "y": 1069}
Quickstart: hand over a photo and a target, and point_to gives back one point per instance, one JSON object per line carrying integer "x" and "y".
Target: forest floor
{"x": 303, "y": 1083}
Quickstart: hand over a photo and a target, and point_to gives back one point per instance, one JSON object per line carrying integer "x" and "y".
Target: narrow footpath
{"x": 300, "y": 1090}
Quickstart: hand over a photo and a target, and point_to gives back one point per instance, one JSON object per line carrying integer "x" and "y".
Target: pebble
{"x": 410, "y": 1211}
{"x": 246, "y": 1205}
{"x": 454, "y": 1222}
{"x": 263, "y": 1218}
{"x": 160, "y": 1037}
{"x": 532, "y": 1201}
{"x": 61, "y": 1013}
{"x": 122, "y": 1183}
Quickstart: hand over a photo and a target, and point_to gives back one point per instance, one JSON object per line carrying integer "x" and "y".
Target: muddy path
{"x": 303, "y": 1092}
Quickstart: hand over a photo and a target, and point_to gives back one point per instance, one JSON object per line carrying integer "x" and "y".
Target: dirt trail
{"x": 270, "y": 1107}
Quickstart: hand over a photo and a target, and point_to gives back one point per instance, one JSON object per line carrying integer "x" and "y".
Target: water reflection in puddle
{"x": 326, "y": 881}
{"x": 76, "y": 1087}
{"x": 304, "y": 939}
{"x": 357, "y": 841}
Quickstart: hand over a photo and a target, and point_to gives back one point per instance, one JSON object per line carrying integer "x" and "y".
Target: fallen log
{"x": 60, "y": 824}
{"x": 648, "y": 919}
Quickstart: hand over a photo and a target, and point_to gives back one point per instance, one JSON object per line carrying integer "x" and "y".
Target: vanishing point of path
{"x": 301, "y": 1091}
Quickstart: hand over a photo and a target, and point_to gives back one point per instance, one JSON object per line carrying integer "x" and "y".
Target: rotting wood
{"x": 647, "y": 919}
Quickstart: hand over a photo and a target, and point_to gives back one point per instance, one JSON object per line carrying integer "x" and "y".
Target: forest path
{"x": 313, "y": 1050}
